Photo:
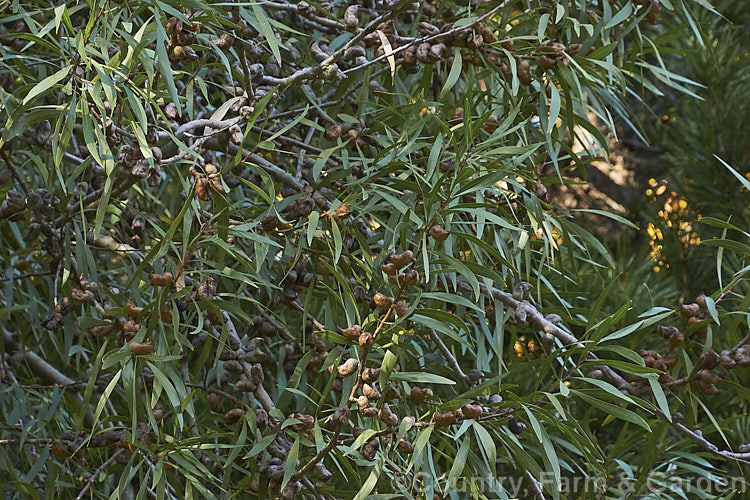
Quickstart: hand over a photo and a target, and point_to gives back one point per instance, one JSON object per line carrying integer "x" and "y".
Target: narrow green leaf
{"x": 46, "y": 84}
{"x": 454, "y": 73}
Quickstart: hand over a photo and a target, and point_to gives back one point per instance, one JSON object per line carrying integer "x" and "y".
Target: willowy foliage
{"x": 274, "y": 249}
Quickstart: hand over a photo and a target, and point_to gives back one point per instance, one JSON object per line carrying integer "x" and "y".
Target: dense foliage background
{"x": 273, "y": 249}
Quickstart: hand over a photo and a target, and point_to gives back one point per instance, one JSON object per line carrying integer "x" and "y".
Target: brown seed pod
{"x": 411, "y": 277}
{"x": 365, "y": 340}
{"x": 166, "y": 313}
{"x": 709, "y": 359}
{"x": 352, "y": 333}
{"x": 21, "y": 264}
{"x": 397, "y": 279}
{"x": 184, "y": 38}
{"x": 410, "y": 55}
{"x": 174, "y": 26}
{"x": 101, "y": 331}
{"x": 59, "y": 449}
{"x": 337, "y": 419}
{"x": 677, "y": 339}
{"x": 348, "y": 367}
{"x": 401, "y": 308}
{"x": 387, "y": 416}
{"x": 438, "y": 233}
{"x": 363, "y": 402}
{"x": 653, "y": 18}
{"x": 443, "y": 418}
{"x": 689, "y": 310}
{"x": 142, "y": 348}
{"x": 701, "y": 300}
{"x": 305, "y": 422}
{"x": 369, "y": 451}
{"x": 712, "y": 377}
{"x": 382, "y": 301}
{"x": 233, "y": 416}
{"x": 217, "y": 185}
{"x": 214, "y": 402}
{"x": 707, "y": 387}
{"x": 188, "y": 54}
{"x": 161, "y": 279}
{"x": 370, "y": 375}
{"x": 233, "y": 366}
{"x": 131, "y": 310}
{"x": 390, "y": 269}
{"x": 488, "y": 35}
{"x": 472, "y": 411}
{"x": 224, "y": 42}
{"x": 404, "y": 446}
{"x": 343, "y": 210}
{"x": 333, "y": 132}
{"x": 351, "y": 17}
{"x": 546, "y": 62}
{"x": 401, "y": 259}
{"x": 371, "y": 392}
{"x": 438, "y": 51}
{"x": 202, "y": 188}
{"x": 423, "y": 53}
{"x": 131, "y": 327}
{"x": 573, "y": 49}
{"x": 524, "y": 72}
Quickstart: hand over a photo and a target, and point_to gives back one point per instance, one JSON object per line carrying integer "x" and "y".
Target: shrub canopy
{"x": 278, "y": 249}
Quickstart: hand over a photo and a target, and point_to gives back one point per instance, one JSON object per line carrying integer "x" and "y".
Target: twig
{"x": 109, "y": 243}
{"x": 428, "y": 39}
{"x": 536, "y": 486}
{"x": 27, "y": 275}
{"x": 450, "y": 358}
{"x": 15, "y": 173}
{"x": 318, "y": 456}
{"x": 43, "y": 369}
{"x": 95, "y": 475}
